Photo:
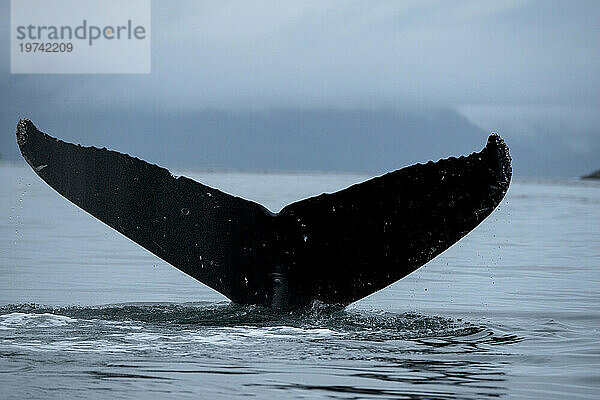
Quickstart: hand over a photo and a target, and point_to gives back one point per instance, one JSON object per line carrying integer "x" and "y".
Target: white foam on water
{"x": 23, "y": 320}
{"x": 83, "y": 346}
{"x": 226, "y": 336}
{"x": 250, "y": 335}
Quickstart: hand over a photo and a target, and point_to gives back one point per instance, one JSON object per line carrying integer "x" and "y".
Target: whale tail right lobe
{"x": 346, "y": 245}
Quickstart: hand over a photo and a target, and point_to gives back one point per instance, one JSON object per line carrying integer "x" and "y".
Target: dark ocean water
{"x": 512, "y": 310}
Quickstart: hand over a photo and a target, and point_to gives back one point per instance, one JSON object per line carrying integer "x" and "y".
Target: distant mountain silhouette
{"x": 371, "y": 141}
{"x": 593, "y": 175}
{"x": 324, "y": 140}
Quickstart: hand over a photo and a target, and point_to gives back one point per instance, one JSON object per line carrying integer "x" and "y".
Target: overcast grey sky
{"x": 528, "y": 69}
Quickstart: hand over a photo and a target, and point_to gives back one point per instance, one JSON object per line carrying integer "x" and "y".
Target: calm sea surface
{"x": 512, "y": 310}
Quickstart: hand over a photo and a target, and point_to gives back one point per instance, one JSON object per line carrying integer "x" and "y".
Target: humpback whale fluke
{"x": 336, "y": 248}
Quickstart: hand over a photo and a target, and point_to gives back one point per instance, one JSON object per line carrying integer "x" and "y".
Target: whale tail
{"x": 336, "y": 248}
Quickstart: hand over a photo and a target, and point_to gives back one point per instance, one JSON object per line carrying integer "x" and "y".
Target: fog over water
{"x": 526, "y": 69}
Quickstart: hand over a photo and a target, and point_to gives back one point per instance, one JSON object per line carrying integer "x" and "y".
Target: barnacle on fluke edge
{"x": 336, "y": 248}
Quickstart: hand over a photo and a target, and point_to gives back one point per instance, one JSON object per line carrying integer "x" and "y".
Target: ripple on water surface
{"x": 220, "y": 331}
{"x": 226, "y": 350}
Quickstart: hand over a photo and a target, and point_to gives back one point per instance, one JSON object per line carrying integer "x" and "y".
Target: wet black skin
{"x": 336, "y": 248}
